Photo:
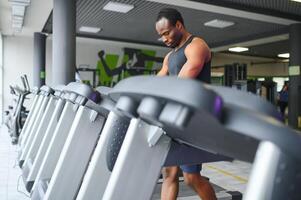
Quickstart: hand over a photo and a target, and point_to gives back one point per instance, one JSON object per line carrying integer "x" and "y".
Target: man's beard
{"x": 177, "y": 41}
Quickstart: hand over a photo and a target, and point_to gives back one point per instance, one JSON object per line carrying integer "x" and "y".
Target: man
{"x": 190, "y": 58}
{"x": 283, "y": 99}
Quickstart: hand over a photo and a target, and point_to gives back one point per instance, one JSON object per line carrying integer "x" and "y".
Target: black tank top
{"x": 177, "y": 59}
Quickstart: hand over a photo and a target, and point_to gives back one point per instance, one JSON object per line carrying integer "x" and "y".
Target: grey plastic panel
{"x": 29, "y": 118}
{"x": 103, "y": 108}
{"x": 104, "y": 91}
{"x": 35, "y": 90}
{"x": 246, "y": 100}
{"x": 206, "y": 132}
{"x": 171, "y": 89}
{"x": 39, "y": 193}
{"x": 34, "y": 129}
{"x": 274, "y": 175}
{"x": 57, "y": 142}
{"x": 97, "y": 174}
{"x": 46, "y": 89}
{"x": 262, "y": 128}
{"x": 75, "y": 154}
{"x": 59, "y": 87}
{"x": 79, "y": 88}
{"x": 45, "y": 142}
{"x": 137, "y": 163}
{"x": 118, "y": 131}
{"x": 242, "y": 127}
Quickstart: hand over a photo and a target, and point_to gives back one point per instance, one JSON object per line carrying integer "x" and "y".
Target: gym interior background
{"x": 261, "y": 27}
{"x": 269, "y": 29}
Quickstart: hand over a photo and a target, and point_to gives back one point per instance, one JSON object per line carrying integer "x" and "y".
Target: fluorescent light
{"x": 284, "y": 55}
{"x": 238, "y": 49}
{"x": 118, "y": 7}
{"x": 89, "y": 29}
{"x": 216, "y": 23}
{"x": 18, "y": 10}
{"x": 299, "y": 1}
{"x": 20, "y": 2}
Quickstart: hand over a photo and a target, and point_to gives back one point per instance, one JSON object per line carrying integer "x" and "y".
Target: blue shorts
{"x": 191, "y": 168}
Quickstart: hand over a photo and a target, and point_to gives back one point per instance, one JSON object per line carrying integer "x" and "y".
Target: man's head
{"x": 170, "y": 26}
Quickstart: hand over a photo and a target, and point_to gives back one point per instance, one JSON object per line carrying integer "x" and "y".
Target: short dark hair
{"x": 171, "y": 14}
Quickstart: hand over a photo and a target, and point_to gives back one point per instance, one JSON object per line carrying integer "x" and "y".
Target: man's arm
{"x": 197, "y": 54}
{"x": 164, "y": 70}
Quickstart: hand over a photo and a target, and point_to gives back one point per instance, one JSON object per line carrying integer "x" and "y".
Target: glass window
{"x": 280, "y": 82}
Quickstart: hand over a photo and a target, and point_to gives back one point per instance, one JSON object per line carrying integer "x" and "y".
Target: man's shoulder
{"x": 198, "y": 41}
{"x": 199, "y": 46}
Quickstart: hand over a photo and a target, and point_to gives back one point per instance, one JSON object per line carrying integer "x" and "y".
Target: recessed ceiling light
{"x": 216, "y": 23}
{"x": 20, "y": 2}
{"x": 89, "y": 29}
{"x": 284, "y": 55}
{"x": 238, "y": 49}
{"x": 299, "y": 1}
{"x": 118, "y": 7}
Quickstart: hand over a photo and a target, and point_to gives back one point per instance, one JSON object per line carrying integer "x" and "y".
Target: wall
{"x": 87, "y": 54}
{"x": 1, "y": 78}
{"x": 18, "y": 59}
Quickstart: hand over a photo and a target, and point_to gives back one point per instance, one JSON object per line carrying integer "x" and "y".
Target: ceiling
{"x": 262, "y": 25}
{"x": 36, "y": 15}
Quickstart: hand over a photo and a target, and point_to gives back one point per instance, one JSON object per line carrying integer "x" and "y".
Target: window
{"x": 280, "y": 82}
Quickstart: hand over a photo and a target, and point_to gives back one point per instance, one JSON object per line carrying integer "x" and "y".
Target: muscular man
{"x": 190, "y": 58}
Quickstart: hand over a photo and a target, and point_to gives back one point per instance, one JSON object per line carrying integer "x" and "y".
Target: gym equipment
{"x": 84, "y": 132}
{"x": 15, "y": 118}
{"x": 78, "y": 96}
{"x": 235, "y": 74}
{"x": 45, "y": 96}
{"x": 97, "y": 175}
{"x": 41, "y": 101}
{"x": 45, "y": 125}
{"x": 275, "y": 147}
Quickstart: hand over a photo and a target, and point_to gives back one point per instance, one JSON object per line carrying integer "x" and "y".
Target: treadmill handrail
{"x": 171, "y": 89}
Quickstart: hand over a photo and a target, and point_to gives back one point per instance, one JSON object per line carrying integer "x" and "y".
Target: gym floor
{"x": 225, "y": 176}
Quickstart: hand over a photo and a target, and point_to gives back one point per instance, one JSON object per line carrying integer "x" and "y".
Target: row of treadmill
{"x": 111, "y": 143}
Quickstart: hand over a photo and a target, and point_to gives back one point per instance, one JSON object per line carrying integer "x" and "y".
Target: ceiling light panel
{"x": 118, "y": 7}
{"x": 18, "y": 10}
{"x": 20, "y": 2}
{"x": 284, "y": 55}
{"x": 216, "y": 23}
{"x": 89, "y": 29}
{"x": 238, "y": 49}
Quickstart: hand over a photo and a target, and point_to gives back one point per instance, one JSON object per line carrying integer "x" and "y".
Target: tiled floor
{"x": 224, "y": 175}
{"x": 9, "y": 173}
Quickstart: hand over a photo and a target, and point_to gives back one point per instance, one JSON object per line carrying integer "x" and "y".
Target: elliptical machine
{"x": 17, "y": 114}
